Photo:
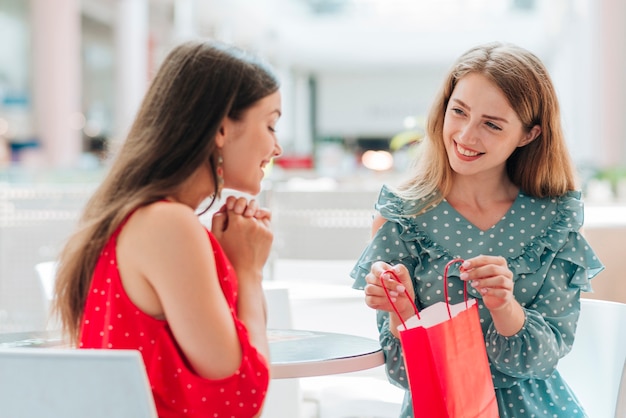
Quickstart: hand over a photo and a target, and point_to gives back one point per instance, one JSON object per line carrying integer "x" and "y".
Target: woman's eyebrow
{"x": 462, "y": 103}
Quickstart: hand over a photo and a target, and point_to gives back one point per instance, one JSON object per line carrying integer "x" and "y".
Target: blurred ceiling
{"x": 366, "y": 35}
{"x": 377, "y": 34}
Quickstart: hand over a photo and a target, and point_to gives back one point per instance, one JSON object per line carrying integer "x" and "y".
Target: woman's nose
{"x": 278, "y": 150}
{"x": 468, "y": 134}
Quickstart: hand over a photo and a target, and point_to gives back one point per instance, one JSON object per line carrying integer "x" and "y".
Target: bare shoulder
{"x": 165, "y": 210}
{"x": 164, "y": 226}
{"x": 165, "y": 260}
{"x": 166, "y": 218}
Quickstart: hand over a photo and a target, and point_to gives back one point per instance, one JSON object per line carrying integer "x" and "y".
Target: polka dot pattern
{"x": 112, "y": 321}
{"x": 551, "y": 263}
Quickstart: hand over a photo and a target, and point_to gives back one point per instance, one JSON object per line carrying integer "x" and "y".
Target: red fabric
{"x": 111, "y": 320}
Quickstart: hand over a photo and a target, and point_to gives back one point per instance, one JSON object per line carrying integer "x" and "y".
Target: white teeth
{"x": 466, "y": 152}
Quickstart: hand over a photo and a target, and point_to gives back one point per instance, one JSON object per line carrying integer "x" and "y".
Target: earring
{"x": 219, "y": 171}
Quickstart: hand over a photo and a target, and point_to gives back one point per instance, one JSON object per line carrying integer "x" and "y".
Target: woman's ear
{"x": 534, "y": 132}
{"x": 220, "y": 137}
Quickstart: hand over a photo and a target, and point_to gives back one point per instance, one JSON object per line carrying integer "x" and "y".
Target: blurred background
{"x": 357, "y": 80}
{"x": 355, "y": 73}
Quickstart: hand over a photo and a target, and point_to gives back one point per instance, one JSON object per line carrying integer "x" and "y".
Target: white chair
{"x": 69, "y": 383}
{"x": 620, "y": 411}
{"x": 278, "y": 305}
{"x": 283, "y": 397}
{"x": 46, "y": 272}
{"x": 595, "y": 366}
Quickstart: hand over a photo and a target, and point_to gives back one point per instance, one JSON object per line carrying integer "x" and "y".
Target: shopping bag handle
{"x": 406, "y": 292}
{"x": 445, "y": 284}
{"x": 445, "y": 291}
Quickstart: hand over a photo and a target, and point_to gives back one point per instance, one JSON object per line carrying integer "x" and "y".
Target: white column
{"x": 609, "y": 27}
{"x": 131, "y": 61}
{"x": 56, "y": 79}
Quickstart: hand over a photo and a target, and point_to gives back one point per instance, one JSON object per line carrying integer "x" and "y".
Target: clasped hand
{"x": 243, "y": 230}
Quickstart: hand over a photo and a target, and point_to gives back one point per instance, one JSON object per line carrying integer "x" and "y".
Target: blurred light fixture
{"x": 92, "y": 129}
{"x": 377, "y": 160}
{"x": 410, "y": 122}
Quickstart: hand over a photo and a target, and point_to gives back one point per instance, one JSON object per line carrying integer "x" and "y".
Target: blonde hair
{"x": 196, "y": 87}
{"x": 540, "y": 169}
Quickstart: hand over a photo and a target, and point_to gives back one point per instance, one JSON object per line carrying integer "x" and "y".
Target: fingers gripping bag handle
{"x": 445, "y": 291}
{"x": 406, "y": 292}
{"x": 445, "y": 284}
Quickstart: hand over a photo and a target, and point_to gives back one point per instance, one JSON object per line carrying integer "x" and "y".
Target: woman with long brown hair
{"x": 142, "y": 272}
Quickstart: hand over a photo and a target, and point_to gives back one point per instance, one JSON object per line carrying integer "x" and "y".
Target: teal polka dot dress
{"x": 551, "y": 263}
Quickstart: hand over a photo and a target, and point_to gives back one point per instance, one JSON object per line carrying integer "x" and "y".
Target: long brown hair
{"x": 541, "y": 168}
{"x": 196, "y": 87}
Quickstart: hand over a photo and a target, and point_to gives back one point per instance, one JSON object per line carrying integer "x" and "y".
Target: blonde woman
{"x": 495, "y": 187}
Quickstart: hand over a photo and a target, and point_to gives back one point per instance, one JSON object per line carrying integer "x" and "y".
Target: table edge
{"x": 328, "y": 367}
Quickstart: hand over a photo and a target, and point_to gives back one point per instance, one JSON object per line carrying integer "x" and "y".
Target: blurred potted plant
{"x": 615, "y": 179}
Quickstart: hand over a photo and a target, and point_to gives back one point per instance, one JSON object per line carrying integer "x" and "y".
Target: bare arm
{"x": 243, "y": 230}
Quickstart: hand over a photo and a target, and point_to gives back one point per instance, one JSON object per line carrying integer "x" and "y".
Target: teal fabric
{"x": 551, "y": 263}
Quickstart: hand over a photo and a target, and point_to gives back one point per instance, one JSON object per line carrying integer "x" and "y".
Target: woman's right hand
{"x": 400, "y": 292}
{"x": 375, "y": 296}
{"x": 243, "y": 231}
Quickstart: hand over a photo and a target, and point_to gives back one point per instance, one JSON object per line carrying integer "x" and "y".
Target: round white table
{"x": 301, "y": 353}
{"x": 294, "y": 353}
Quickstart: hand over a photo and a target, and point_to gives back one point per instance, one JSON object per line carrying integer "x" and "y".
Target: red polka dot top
{"x": 111, "y": 320}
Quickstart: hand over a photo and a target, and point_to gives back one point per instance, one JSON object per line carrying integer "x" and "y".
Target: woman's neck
{"x": 482, "y": 190}
{"x": 482, "y": 202}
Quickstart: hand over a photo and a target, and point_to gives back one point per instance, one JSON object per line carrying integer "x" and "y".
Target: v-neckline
{"x": 495, "y": 225}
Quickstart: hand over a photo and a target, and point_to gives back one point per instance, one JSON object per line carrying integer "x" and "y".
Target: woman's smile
{"x": 467, "y": 154}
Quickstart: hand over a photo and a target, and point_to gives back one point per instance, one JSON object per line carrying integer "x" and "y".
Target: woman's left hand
{"x": 492, "y": 278}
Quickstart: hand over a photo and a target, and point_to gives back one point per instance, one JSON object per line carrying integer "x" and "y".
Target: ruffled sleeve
{"x": 563, "y": 241}
{"x": 549, "y": 274}
{"x": 394, "y": 242}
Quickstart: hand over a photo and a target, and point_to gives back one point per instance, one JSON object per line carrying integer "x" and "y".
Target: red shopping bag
{"x": 446, "y": 360}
